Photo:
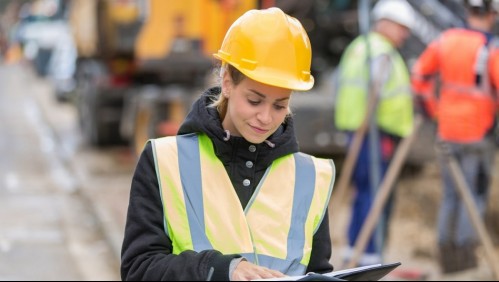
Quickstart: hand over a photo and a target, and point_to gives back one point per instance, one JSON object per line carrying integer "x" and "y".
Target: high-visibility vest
{"x": 465, "y": 110}
{"x": 394, "y": 113}
{"x": 202, "y": 210}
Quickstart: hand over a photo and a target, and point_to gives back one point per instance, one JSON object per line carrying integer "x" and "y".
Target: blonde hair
{"x": 236, "y": 77}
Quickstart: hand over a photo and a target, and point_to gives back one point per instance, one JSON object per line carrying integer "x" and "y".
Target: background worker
{"x": 467, "y": 63}
{"x": 231, "y": 193}
{"x": 371, "y": 65}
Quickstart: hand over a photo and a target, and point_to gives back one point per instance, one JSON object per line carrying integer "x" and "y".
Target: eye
{"x": 279, "y": 107}
{"x": 253, "y": 102}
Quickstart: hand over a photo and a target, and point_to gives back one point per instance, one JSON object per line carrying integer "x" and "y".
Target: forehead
{"x": 264, "y": 90}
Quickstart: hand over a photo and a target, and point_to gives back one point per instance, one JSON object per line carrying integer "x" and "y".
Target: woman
{"x": 230, "y": 197}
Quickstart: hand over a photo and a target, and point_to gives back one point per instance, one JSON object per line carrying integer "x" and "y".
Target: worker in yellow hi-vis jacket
{"x": 373, "y": 75}
{"x": 231, "y": 197}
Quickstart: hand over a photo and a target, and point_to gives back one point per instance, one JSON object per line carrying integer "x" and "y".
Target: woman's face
{"x": 255, "y": 110}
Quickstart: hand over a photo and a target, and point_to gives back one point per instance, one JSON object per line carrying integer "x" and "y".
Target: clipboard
{"x": 368, "y": 274}
{"x": 364, "y": 273}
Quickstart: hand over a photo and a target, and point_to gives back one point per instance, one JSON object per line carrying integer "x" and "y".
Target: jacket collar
{"x": 205, "y": 119}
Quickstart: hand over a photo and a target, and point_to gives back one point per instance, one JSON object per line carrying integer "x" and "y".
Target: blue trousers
{"x": 364, "y": 197}
{"x": 476, "y": 162}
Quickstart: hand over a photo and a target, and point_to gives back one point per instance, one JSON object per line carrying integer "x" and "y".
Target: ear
{"x": 226, "y": 83}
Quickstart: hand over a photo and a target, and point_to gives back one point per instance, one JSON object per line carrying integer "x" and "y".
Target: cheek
{"x": 405, "y": 33}
{"x": 279, "y": 117}
{"x": 240, "y": 109}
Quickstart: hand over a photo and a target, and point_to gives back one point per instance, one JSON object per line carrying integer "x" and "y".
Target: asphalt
{"x": 101, "y": 176}
{"x": 49, "y": 229}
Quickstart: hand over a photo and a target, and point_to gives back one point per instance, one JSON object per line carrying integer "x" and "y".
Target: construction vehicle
{"x": 174, "y": 61}
{"x": 143, "y": 62}
{"x": 104, "y": 33}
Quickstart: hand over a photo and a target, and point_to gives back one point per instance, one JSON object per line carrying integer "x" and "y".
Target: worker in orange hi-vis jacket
{"x": 466, "y": 60}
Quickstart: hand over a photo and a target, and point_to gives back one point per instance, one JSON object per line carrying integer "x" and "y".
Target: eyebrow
{"x": 264, "y": 96}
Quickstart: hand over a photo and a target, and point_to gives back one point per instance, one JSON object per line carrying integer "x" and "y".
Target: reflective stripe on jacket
{"x": 202, "y": 210}
{"x": 394, "y": 113}
{"x": 464, "y": 110}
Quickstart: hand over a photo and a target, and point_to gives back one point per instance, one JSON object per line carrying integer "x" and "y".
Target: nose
{"x": 265, "y": 115}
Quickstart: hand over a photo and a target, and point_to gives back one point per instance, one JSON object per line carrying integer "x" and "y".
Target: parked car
{"x": 45, "y": 35}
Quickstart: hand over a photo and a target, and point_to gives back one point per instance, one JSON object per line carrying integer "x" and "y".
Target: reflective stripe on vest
{"x": 202, "y": 210}
{"x": 480, "y": 68}
{"x": 466, "y": 90}
{"x": 395, "y": 108}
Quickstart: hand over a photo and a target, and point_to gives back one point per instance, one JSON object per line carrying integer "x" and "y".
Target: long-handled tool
{"x": 373, "y": 89}
{"x": 354, "y": 148}
{"x": 383, "y": 194}
{"x": 464, "y": 192}
{"x": 351, "y": 157}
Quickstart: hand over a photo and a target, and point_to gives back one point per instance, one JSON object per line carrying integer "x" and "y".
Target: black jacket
{"x": 146, "y": 251}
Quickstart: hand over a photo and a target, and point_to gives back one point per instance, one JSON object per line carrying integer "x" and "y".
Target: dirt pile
{"x": 412, "y": 232}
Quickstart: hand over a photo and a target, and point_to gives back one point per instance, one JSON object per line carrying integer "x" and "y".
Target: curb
{"x": 111, "y": 231}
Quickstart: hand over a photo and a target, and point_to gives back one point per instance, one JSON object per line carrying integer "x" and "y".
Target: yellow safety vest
{"x": 394, "y": 113}
{"x": 202, "y": 210}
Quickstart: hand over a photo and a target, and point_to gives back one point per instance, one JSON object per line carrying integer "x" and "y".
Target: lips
{"x": 259, "y": 130}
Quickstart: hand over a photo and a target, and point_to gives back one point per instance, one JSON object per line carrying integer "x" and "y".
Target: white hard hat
{"x": 398, "y": 11}
{"x": 495, "y": 5}
{"x": 486, "y": 5}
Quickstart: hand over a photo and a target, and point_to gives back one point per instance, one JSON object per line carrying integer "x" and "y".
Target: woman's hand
{"x": 246, "y": 271}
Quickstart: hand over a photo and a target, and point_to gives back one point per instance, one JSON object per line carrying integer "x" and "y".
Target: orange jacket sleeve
{"x": 423, "y": 77}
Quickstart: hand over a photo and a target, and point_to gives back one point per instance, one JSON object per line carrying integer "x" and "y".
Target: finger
{"x": 269, "y": 273}
{"x": 277, "y": 273}
{"x": 273, "y": 272}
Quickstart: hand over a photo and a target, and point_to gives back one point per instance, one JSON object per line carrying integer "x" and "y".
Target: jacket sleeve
{"x": 147, "y": 251}
{"x": 423, "y": 78}
{"x": 321, "y": 249}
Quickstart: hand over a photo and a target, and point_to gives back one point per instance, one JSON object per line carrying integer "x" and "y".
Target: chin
{"x": 254, "y": 139}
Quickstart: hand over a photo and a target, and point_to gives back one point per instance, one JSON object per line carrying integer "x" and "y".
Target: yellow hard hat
{"x": 270, "y": 47}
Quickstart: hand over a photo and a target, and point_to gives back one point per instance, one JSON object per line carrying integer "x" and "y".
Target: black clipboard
{"x": 364, "y": 273}
{"x": 369, "y": 274}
